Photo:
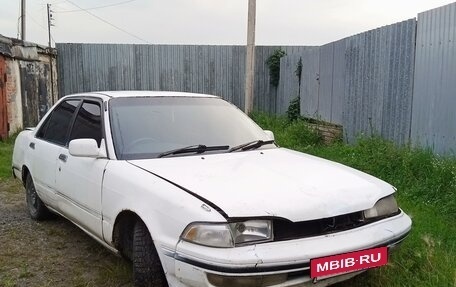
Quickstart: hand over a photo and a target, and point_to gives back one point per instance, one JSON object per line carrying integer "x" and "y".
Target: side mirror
{"x": 270, "y": 134}
{"x": 84, "y": 148}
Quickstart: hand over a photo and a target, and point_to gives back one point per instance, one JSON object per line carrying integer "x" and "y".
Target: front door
{"x": 79, "y": 179}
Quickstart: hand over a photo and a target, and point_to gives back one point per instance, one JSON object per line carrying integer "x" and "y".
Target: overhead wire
{"x": 40, "y": 25}
{"x": 97, "y": 7}
{"x": 109, "y": 23}
{"x": 36, "y": 22}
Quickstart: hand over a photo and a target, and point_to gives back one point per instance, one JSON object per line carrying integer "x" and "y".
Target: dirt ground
{"x": 53, "y": 252}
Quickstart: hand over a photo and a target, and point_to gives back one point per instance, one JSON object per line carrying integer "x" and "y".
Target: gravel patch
{"x": 53, "y": 252}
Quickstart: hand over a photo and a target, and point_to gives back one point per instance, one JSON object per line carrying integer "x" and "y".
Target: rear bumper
{"x": 192, "y": 263}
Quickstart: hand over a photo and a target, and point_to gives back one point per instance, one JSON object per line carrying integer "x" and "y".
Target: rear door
{"x": 46, "y": 146}
{"x": 79, "y": 179}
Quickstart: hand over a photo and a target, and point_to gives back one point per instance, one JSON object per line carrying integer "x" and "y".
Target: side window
{"x": 88, "y": 123}
{"x": 55, "y": 128}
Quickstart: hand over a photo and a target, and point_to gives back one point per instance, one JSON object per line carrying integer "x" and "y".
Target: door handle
{"x": 63, "y": 157}
{"x": 32, "y": 145}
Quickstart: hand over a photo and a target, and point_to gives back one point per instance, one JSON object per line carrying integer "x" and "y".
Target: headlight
{"x": 215, "y": 235}
{"x": 383, "y": 207}
{"x": 229, "y": 234}
{"x": 252, "y": 231}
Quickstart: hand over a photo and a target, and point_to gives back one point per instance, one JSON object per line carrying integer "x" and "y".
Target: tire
{"x": 35, "y": 206}
{"x": 147, "y": 269}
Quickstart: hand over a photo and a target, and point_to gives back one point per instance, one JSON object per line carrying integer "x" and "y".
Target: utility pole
{"x": 250, "y": 58}
{"x": 23, "y": 20}
{"x": 51, "y": 68}
{"x": 49, "y": 22}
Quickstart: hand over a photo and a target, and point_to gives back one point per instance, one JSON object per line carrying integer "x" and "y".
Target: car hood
{"x": 272, "y": 182}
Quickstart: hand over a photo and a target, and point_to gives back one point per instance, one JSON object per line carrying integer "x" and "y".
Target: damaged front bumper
{"x": 280, "y": 264}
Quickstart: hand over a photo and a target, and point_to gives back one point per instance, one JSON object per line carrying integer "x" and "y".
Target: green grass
{"x": 426, "y": 191}
{"x": 6, "y": 152}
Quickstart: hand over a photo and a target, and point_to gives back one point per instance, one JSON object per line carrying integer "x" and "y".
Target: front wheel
{"x": 35, "y": 206}
{"x": 147, "y": 269}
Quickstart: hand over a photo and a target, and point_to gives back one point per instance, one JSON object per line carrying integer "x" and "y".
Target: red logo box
{"x": 348, "y": 262}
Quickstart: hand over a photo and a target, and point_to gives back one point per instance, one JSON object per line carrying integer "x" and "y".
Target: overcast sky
{"x": 279, "y": 22}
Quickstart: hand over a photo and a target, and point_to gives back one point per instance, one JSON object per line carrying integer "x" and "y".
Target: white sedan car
{"x": 194, "y": 193}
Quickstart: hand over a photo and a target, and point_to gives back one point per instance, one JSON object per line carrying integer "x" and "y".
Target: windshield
{"x": 149, "y": 126}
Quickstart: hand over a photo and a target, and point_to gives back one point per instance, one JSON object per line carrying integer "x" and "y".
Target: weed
{"x": 273, "y": 63}
{"x": 25, "y": 273}
{"x": 294, "y": 109}
{"x": 7, "y": 282}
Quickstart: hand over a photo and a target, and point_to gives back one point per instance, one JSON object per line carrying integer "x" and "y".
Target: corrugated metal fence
{"x": 364, "y": 82}
{"x": 434, "y": 99}
{"x": 217, "y": 70}
{"x": 379, "y": 82}
{"x": 396, "y": 81}
{"x": 370, "y": 83}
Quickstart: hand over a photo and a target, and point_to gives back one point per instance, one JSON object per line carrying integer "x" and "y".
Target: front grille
{"x": 287, "y": 230}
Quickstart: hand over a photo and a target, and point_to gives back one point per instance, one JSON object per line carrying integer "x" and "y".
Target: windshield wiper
{"x": 251, "y": 145}
{"x": 193, "y": 148}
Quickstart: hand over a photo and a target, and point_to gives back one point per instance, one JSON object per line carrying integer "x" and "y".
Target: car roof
{"x": 126, "y": 94}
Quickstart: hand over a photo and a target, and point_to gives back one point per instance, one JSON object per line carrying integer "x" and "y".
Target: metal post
{"x": 23, "y": 20}
{"x": 51, "y": 68}
{"x": 250, "y": 58}
{"x": 49, "y": 23}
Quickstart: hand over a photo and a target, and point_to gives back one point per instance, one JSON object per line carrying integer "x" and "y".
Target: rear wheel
{"x": 147, "y": 269}
{"x": 35, "y": 206}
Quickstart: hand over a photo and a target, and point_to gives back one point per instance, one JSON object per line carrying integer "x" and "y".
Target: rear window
{"x": 55, "y": 129}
